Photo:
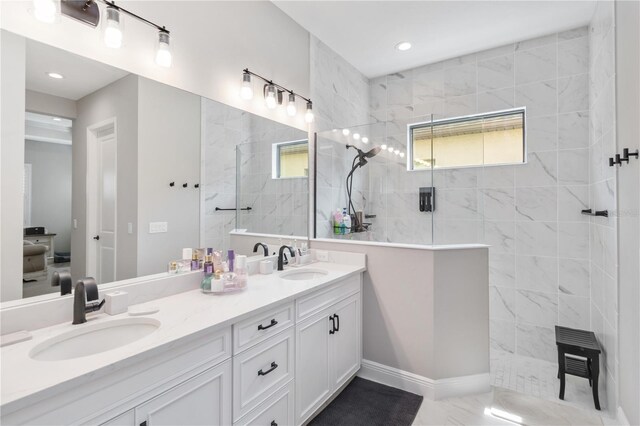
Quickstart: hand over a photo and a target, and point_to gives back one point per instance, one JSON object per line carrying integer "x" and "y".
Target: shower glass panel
{"x": 272, "y": 190}
{"x": 363, "y": 171}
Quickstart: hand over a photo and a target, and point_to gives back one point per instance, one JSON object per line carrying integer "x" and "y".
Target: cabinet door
{"x": 346, "y": 341}
{"x": 313, "y": 379}
{"x": 202, "y": 400}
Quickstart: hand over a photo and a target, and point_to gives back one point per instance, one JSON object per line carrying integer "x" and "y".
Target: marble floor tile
{"x": 490, "y": 408}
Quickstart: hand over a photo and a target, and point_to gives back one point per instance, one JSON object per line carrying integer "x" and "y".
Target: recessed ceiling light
{"x": 403, "y": 45}
{"x": 57, "y": 119}
{"x": 55, "y": 75}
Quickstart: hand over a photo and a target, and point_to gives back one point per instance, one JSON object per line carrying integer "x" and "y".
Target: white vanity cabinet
{"x": 276, "y": 366}
{"x": 328, "y": 344}
{"x": 202, "y": 400}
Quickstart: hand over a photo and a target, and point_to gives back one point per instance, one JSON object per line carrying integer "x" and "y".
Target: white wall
{"x": 51, "y": 168}
{"x": 212, "y": 42}
{"x": 168, "y": 150}
{"x": 43, "y": 103}
{"x": 628, "y": 135}
{"x": 119, "y": 100}
{"x": 12, "y": 116}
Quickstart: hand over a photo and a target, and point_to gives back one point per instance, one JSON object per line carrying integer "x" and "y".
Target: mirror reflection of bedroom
{"x": 47, "y": 201}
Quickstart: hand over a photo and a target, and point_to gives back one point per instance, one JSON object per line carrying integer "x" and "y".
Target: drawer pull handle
{"x": 273, "y": 423}
{"x": 264, "y": 373}
{"x": 338, "y": 321}
{"x": 333, "y": 325}
{"x": 262, "y": 327}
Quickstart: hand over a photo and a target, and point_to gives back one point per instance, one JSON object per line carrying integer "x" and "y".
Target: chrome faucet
{"x": 85, "y": 299}
{"x": 265, "y": 248}
{"x": 281, "y": 256}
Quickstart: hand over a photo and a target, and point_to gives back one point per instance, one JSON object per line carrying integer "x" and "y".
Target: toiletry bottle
{"x": 346, "y": 222}
{"x": 337, "y": 220}
{"x": 173, "y": 267}
{"x": 242, "y": 274}
{"x": 195, "y": 262}
{"x": 231, "y": 256}
{"x": 208, "y": 265}
{"x": 205, "y": 285}
{"x": 187, "y": 253}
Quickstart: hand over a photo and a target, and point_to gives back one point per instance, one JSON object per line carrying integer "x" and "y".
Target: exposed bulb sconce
{"x": 308, "y": 116}
{"x": 390, "y": 149}
{"x": 112, "y": 31}
{"x": 383, "y": 146}
{"x": 356, "y": 136}
{"x": 246, "y": 91}
{"x": 273, "y": 95}
{"x": 291, "y": 105}
{"x": 163, "y": 51}
{"x": 346, "y": 132}
{"x": 270, "y": 96}
{"x": 45, "y": 10}
{"x": 365, "y": 140}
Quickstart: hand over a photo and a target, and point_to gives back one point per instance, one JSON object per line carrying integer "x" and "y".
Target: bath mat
{"x": 367, "y": 403}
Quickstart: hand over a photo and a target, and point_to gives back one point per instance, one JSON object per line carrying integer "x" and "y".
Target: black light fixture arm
{"x": 281, "y": 88}
{"x": 133, "y": 15}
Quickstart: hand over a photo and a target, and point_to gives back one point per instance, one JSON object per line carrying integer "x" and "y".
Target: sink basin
{"x": 91, "y": 339}
{"x": 304, "y": 274}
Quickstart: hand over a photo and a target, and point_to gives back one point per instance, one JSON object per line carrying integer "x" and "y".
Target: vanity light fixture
{"x": 45, "y": 10}
{"x": 403, "y": 46}
{"x": 87, "y": 12}
{"x": 390, "y": 149}
{"x": 273, "y": 95}
{"x": 55, "y": 75}
{"x": 356, "y": 136}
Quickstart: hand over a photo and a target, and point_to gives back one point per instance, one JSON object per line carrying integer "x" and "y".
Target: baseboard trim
{"x": 429, "y": 388}
{"x": 622, "y": 418}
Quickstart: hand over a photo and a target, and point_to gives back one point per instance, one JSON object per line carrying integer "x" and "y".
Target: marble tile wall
{"x": 278, "y": 206}
{"x": 340, "y": 95}
{"x": 602, "y": 192}
{"x": 528, "y": 213}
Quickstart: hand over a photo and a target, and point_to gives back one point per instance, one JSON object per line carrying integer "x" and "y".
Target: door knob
{"x": 97, "y": 237}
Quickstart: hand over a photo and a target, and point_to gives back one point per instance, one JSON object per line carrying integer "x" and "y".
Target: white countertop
{"x": 25, "y": 381}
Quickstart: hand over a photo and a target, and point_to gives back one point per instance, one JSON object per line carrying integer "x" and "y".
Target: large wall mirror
{"x": 122, "y": 172}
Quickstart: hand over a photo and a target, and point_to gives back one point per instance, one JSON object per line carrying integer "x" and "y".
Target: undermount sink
{"x": 304, "y": 274}
{"x": 91, "y": 339}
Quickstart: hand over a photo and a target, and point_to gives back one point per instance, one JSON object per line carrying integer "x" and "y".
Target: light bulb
{"x": 346, "y": 132}
{"x": 246, "y": 91}
{"x": 403, "y": 45}
{"x": 163, "y": 54}
{"x": 308, "y": 116}
{"x": 270, "y": 97}
{"x": 402, "y": 155}
{"x": 356, "y": 136}
{"x": 45, "y": 10}
{"x": 365, "y": 139}
{"x": 291, "y": 105}
{"x": 55, "y": 75}
{"x": 112, "y": 31}
{"x": 390, "y": 149}
{"x": 383, "y": 146}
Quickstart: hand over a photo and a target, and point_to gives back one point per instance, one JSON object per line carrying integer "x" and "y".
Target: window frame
{"x": 275, "y": 158}
{"x": 461, "y": 119}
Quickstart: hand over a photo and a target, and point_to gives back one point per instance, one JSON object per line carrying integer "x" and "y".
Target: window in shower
{"x": 290, "y": 159}
{"x": 477, "y": 140}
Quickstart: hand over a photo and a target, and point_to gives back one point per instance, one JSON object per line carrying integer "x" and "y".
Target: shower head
{"x": 371, "y": 153}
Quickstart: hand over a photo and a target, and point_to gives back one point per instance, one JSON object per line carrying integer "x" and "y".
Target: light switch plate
{"x": 130, "y": 227}
{"x": 157, "y": 227}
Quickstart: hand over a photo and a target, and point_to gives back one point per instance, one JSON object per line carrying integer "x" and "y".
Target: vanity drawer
{"x": 278, "y": 410}
{"x": 317, "y": 301}
{"x": 258, "y": 372}
{"x": 262, "y": 326}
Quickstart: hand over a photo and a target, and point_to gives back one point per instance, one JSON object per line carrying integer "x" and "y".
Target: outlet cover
{"x": 157, "y": 227}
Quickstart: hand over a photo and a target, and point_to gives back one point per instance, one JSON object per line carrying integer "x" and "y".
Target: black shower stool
{"x": 580, "y": 343}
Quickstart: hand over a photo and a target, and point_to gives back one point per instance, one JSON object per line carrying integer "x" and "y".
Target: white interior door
{"x": 102, "y": 202}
